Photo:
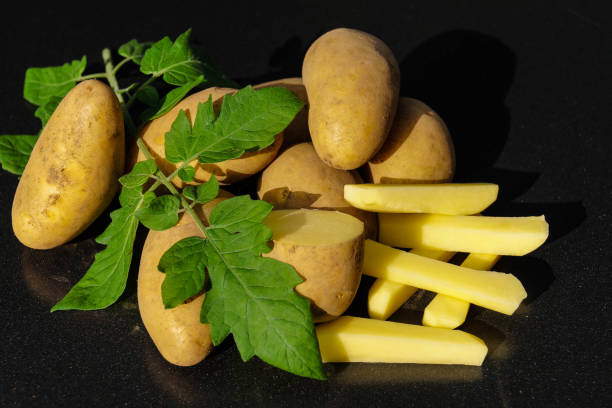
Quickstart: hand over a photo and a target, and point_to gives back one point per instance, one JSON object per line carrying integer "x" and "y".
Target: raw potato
{"x": 177, "y": 333}
{"x": 450, "y": 198}
{"x": 326, "y": 249}
{"x": 297, "y": 178}
{"x": 352, "y": 79}
{"x": 297, "y": 131}
{"x": 226, "y": 172}
{"x": 418, "y": 149}
{"x": 72, "y": 174}
{"x": 356, "y": 339}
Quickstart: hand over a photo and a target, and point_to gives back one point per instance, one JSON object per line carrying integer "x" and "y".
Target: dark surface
{"x": 525, "y": 91}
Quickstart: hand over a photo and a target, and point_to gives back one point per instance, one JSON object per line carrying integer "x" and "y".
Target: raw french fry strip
{"x": 386, "y": 296}
{"x": 464, "y": 233}
{"x": 449, "y": 312}
{"x": 357, "y": 339}
{"x": 497, "y": 291}
{"x": 450, "y": 198}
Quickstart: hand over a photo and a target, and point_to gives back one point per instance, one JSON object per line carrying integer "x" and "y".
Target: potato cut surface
{"x": 448, "y": 198}
{"x": 385, "y": 297}
{"x": 356, "y": 339}
{"x": 479, "y": 234}
{"x": 497, "y": 291}
{"x": 313, "y": 227}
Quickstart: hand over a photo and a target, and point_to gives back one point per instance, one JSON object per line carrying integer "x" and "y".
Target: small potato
{"x": 352, "y": 79}
{"x": 297, "y": 131}
{"x": 297, "y": 178}
{"x": 177, "y": 333}
{"x": 326, "y": 249}
{"x": 72, "y": 174}
{"x": 419, "y": 148}
{"x": 226, "y": 172}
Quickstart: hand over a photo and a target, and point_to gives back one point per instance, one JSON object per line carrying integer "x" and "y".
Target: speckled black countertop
{"x": 525, "y": 90}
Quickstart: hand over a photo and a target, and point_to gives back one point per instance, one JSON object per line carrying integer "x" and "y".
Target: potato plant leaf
{"x": 160, "y": 213}
{"x": 170, "y": 100}
{"x": 140, "y": 173}
{"x": 42, "y": 84}
{"x": 45, "y": 111}
{"x": 15, "y": 151}
{"x": 134, "y": 50}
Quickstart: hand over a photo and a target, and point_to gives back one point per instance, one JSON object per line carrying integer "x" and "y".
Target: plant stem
{"x": 112, "y": 80}
{"x": 133, "y": 97}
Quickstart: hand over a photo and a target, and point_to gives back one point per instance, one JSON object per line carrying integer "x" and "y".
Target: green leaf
{"x": 42, "y": 84}
{"x": 184, "y": 265}
{"x": 140, "y": 174}
{"x": 204, "y": 192}
{"x": 252, "y": 297}
{"x": 187, "y": 173}
{"x": 45, "y": 111}
{"x": 248, "y": 121}
{"x": 170, "y": 100}
{"x": 15, "y": 151}
{"x": 134, "y": 50}
{"x": 148, "y": 95}
{"x": 161, "y": 213}
{"x": 106, "y": 278}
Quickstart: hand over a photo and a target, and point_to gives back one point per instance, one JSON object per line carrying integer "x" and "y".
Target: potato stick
{"x": 448, "y": 198}
{"x": 497, "y": 291}
{"x": 357, "y": 339}
{"x": 463, "y": 233}
{"x": 385, "y": 296}
{"x": 449, "y": 312}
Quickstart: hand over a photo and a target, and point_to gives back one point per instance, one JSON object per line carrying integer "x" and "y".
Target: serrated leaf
{"x": 170, "y": 100}
{"x": 161, "y": 213}
{"x": 134, "y": 50}
{"x": 207, "y": 191}
{"x": 148, "y": 95}
{"x": 253, "y": 298}
{"x": 45, "y": 111}
{"x": 42, "y": 84}
{"x": 184, "y": 265}
{"x": 140, "y": 174}
{"x": 15, "y": 151}
{"x": 186, "y": 174}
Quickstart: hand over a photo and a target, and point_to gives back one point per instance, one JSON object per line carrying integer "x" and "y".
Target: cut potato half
{"x": 449, "y": 198}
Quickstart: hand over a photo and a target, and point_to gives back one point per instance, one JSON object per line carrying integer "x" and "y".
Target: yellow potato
{"x": 352, "y": 79}
{"x": 72, "y": 174}
{"x": 226, "y": 172}
{"x": 418, "y": 149}
{"x": 297, "y": 131}
{"x": 326, "y": 249}
{"x": 297, "y": 178}
{"x": 177, "y": 333}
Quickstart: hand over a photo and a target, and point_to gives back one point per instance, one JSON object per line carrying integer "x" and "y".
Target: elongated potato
{"x": 226, "y": 172}
{"x": 326, "y": 249}
{"x": 352, "y": 80}
{"x": 297, "y": 131}
{"x": 418, "y": 149}
{"x": 177, "y": 333}
{"x": 72, "y": 174}
{"x": 356, "y": 339}
{"x": 297, "y": 178}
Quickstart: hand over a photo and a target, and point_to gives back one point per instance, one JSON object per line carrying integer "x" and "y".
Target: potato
{"x": 297, "y": 178}
{"x": 226, "y": 172}
{"x": 418, "y": 149}
{"x": 177, "y": 333}
{"x": 297, "y": 131}
{"x": 352, "y": 80}
{"x": 72, "y": 174}
{"x": 326, "y": 249}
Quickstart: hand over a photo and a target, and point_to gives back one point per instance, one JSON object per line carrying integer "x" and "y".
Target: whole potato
{"x": 226, "y": 172}
{"x": 72, "y": 174}
{"x": 297, "y": 131}
{"x": 297, "y": 178}
{"x": 177, "y": 333}
{"x": 352, "y": 80}
{"x": 419, "y": 148}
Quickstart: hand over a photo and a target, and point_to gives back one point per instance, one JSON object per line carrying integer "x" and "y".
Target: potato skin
{"x": 352, "y": 79}
{"x": 298, "y": 178}
{"x": 72, "y": 174}
{"x": 297, "y": 131}
{"x": 177, "y": 333}
{"x": 226, "y": 172}
{"x": 419, "y": 148}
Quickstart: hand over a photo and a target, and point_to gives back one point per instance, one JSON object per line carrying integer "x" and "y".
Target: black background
{"x": 525, "y": 90}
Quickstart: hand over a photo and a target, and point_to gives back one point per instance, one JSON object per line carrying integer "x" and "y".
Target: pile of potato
{"x": 349, "y": 179}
